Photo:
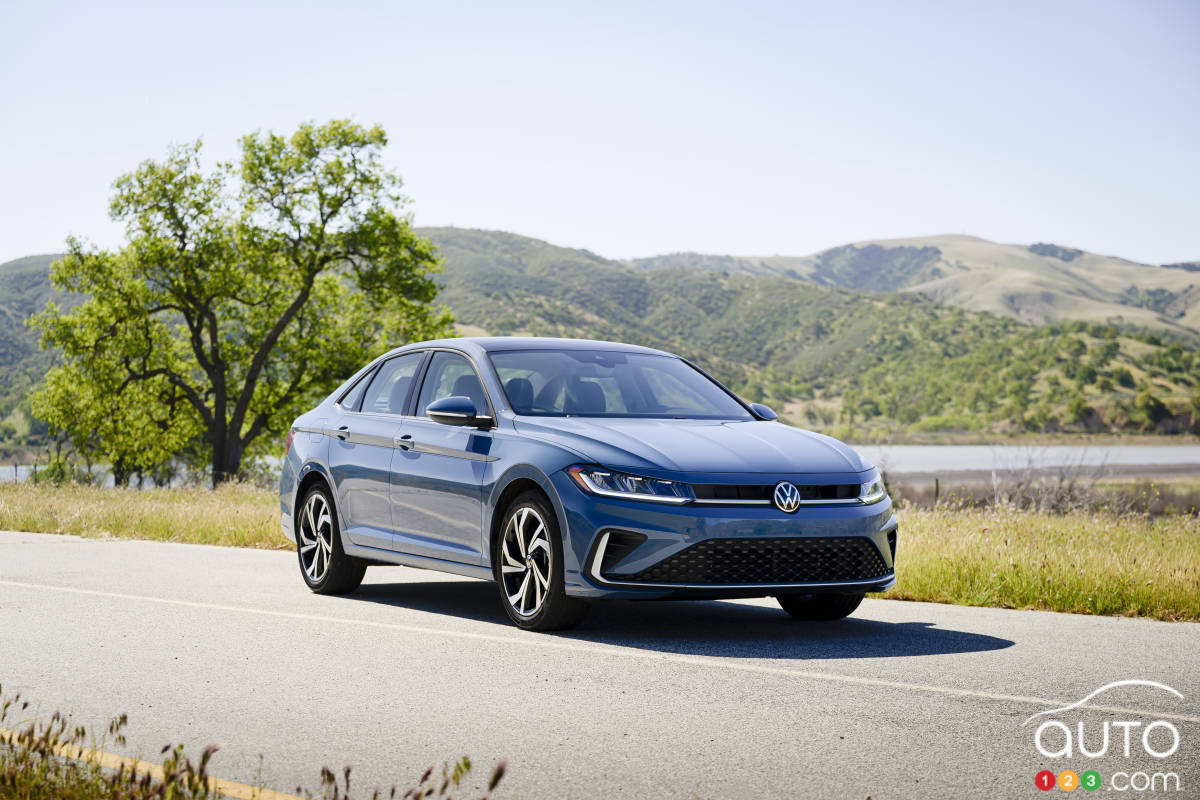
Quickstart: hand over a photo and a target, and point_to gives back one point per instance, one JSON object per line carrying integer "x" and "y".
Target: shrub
{"x": 59, "y": 472}
{"x": 1077, "y": 409}
{"x": 1148, "y": 409}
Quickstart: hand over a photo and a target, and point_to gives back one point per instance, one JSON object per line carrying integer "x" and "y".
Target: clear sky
{"x": 642, "y": 128}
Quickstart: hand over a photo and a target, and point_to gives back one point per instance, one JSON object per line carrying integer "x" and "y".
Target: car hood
{"x": 697, "y": 445}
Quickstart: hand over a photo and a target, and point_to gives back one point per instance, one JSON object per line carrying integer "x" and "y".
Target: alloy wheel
{"x": 316, "y": 537}
{"x": 525, "y": 561}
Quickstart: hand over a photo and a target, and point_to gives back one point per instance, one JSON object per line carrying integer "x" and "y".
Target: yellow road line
{"x": 233, "y": 789}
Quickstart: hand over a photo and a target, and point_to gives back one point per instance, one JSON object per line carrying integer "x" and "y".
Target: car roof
{"x": 493, "y": 344}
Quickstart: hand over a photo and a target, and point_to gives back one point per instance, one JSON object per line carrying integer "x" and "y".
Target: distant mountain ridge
{"x": 777, "y": 331}
{"x": 1041, "y": 282}
{"x": 1037, "y": 283}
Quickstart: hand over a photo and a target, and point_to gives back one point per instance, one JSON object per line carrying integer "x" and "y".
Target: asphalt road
{"x": 912, "y": 700}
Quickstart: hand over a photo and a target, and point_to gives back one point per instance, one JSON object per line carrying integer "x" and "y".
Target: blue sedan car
{"x": 569, "y": 471}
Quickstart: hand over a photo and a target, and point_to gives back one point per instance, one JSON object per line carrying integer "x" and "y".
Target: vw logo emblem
{"x": 787, "y": 497}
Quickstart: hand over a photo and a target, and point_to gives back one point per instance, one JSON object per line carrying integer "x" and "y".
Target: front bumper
{"x": 593, "y": 524}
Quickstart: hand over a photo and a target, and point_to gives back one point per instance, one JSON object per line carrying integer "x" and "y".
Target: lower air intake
{"x": 767, "y": 561}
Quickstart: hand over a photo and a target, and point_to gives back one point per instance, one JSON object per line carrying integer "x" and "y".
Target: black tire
{"x": 819, "y": 607}
{"x": 335, "y": 572}
{"x": 555, "y": 611}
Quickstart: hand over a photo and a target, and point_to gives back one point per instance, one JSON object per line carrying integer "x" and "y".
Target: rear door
{"x": 361, "y": 450}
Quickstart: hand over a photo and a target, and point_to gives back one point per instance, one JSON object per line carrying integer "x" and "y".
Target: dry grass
{"x": 236, "y": 515}
{"x": 1080, "y": 563}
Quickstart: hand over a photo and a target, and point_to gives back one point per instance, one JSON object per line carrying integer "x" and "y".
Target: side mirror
{"x": 760, "y": 411}
{"x": 456, "y": 410}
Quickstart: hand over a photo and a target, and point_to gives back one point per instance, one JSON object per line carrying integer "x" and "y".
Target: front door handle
{"x": 403, "y": 441}
{"x": 343, "y": 432}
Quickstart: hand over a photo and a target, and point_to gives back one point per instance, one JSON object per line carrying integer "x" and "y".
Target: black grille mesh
{"x": 724, "y": 491}
{"x": 792, "y": 560}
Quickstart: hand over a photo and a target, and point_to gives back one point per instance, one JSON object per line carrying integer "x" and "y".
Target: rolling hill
{"x": 854, "y": 336}
{"x": 828, "y": 354}
{"x": 1034, "y": 283}
{"x": 24, "y": 289}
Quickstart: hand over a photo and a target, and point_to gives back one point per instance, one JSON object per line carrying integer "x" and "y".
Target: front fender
{"x": 535, "y": 474}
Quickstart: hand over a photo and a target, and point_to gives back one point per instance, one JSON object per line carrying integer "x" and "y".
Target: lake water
{"x": 947, "y": 460}
{"x": 22, "y": 472}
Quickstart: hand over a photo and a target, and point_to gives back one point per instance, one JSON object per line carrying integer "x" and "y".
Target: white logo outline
{"x": 1102, "y": 690}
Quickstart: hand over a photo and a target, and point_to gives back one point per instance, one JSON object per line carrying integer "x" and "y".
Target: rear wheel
{"x": 819, "y": 607}
{"x": 528, "y": 564}
{"x": 325, "y": 566}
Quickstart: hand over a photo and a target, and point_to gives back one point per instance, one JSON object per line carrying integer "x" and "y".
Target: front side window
{"x": 599, "y": 383}
{"x": 450, "y": 375}
{"x": 391, "y": 384}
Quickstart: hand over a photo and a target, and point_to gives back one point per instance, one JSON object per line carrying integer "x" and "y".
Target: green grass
{"x": 1086, "y": 563}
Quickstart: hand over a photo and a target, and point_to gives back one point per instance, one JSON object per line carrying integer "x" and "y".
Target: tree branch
{"x": 269, "y": 342}
{"x": 175, "y": 378}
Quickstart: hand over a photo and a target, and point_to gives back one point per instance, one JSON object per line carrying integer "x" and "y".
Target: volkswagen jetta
{"x": 569, "y": 471}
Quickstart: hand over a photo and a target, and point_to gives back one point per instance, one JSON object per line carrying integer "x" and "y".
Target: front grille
{"x": 758, "y": 561}
{"x": 716, "y": 492}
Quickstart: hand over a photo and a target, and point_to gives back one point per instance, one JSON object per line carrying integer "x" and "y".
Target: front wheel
{"x": 325, "y": 566}
{"x": 819, "y": 607}
{"x": 528, "y": 564}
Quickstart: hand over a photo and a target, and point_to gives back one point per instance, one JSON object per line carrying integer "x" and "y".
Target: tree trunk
{"x": 120, "y": 473}
{"x": 227, "y": 461}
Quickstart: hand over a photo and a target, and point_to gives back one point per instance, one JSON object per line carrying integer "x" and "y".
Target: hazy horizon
{"x": 774, "y": 128}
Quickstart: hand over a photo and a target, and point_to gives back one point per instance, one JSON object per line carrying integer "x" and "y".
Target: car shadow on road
{"x": 700, "y": 627}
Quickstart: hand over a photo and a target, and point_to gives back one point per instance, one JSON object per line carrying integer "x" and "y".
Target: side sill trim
{"x": 420, "y": 562}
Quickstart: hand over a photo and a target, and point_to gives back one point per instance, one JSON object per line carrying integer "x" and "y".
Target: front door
{"x": 439, "y": 470}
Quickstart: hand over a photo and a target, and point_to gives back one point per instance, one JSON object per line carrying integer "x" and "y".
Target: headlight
{"x": 872, "y": 491}
{"x": 607, "y": 483}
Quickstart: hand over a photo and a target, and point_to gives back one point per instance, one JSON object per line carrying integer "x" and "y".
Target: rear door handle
{"x": 403, "y": 441}
{"x": 343, "y": 432}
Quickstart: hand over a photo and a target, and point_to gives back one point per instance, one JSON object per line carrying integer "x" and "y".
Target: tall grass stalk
{"x": 55, "y": 760}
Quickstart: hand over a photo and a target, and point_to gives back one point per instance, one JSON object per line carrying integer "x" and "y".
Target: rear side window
{"x": 390, "y": 387}
{"x": 351, "y": 399}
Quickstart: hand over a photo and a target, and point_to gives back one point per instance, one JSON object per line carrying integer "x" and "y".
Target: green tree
{"x": 242, "y": 295}
{"x": 137, "y": 429}
{"x": 1105, "y": 353}
{"x": 1077, "y": 409}
{"x": 1123, "y": 377}
{"x": 1150, "y": 409}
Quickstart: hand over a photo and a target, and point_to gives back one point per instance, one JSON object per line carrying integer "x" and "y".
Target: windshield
{"x": 600, "y": 383}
